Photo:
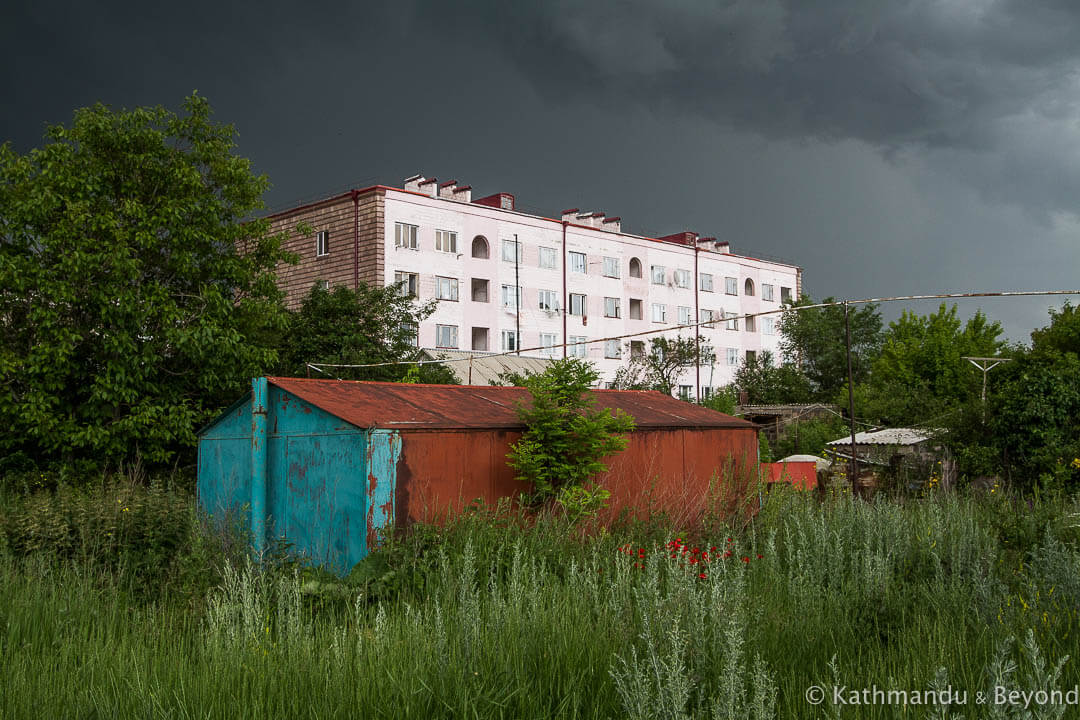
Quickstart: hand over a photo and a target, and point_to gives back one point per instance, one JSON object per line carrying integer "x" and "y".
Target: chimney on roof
{"x": 413, "y": 183}
{"x": 463, "y": 193}
{"x": 723, "y": 246}
{"x": 447, "y": 189}
{"x": 429, "y": 186}
{"x": 612, "y": 224}
{"x": 683, "y": 238}
{"x": 503, "y": 201}
{"x": 570, "y": 215}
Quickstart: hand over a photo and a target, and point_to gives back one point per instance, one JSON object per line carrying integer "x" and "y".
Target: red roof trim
{"x": 448, "y": 182}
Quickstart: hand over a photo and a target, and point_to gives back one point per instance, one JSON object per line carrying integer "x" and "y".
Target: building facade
{"x": 514, "y": 281}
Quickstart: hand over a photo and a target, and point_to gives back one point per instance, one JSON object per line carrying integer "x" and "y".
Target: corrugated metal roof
{"x": 402, "y": 406}
{"x": 486, "y": 368}
{"x": 888, "y": 436}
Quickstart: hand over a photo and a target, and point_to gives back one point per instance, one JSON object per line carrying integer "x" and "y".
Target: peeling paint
{"x": 383, "y": 451}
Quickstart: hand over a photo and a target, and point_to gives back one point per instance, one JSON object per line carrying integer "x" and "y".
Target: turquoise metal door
{"x": 326, "y": 503}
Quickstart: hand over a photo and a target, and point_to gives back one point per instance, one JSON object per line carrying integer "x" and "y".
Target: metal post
{"x": 986, "y": 365}
{"x": 854, "y": 466}
{"x": 259, "y": 403}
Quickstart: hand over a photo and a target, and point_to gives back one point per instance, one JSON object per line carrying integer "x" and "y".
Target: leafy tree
{"x": 723, "y": 400}
{"x": 357, "y": 327}
{"x": 765, "y": 383}
{"x": 815, "y": 341}
{"x": 808, "y": 437}
{"x": 660, "y": 367}
{"x": 921, "y": 372}
{"x": 128, "y": 317}
{"x": 567, "y": 437}
{"x": 1062, "y": 335}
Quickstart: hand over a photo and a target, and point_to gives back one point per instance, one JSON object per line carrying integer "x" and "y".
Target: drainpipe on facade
{"x": 356, "y": 239}
{"x": 697, "y": 329}
{"x": 517, "y": 296}
{"x": 564, "y": 306}
{"x": 258, "y": 464}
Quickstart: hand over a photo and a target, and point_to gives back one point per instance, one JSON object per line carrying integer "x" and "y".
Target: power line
{"x": 793, "y": 308}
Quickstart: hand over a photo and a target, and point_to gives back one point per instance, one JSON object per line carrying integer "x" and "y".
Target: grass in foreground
{"x": 497, "y": 617}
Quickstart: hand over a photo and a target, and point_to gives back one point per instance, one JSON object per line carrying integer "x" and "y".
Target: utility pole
{"x": 986, "y": 365}
{"x": 851, "y": 400}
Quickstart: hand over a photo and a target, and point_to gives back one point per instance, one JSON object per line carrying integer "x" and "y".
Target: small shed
{"x": 900, "y": 451}
{"x": 328, "y": 464}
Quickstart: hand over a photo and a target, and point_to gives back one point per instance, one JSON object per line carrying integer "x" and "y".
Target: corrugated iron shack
{"x": 327, "y": 464}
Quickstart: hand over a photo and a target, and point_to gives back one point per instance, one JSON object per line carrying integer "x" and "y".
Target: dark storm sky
{"x": 894, "y": 147}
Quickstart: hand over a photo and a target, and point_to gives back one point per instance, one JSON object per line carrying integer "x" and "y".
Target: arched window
{"x": 748, "y": 288}
{"x": 635, "y": 267}
{"x": 480, "y": 247}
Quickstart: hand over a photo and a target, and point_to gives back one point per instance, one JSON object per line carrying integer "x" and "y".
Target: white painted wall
{"x": 469, "y": 220}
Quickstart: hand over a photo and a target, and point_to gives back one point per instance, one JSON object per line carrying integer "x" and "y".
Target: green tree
{"x": 814, "y": 340}
{"x": 566, "y": 437}
{"x": 134, "y": 285}
{"x": 357, "y": 327}
{"x": 766, "y": 383}
{"x": 660, "y": 367}
{"x": 921, "y": 372}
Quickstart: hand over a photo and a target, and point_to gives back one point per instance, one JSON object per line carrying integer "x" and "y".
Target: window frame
{"x": 514, "y": 246}
{"x": 451, "y": 285}
{"x": 414, "y": 239}
{"x": 584, "y": 262}
{"x": 731, "y": 285}
{"x": 322, "y": 243}
{"x": 444, "y": 237}
{"x": 653, "y": 274}
{"x": 683, "y": 276}
{"x": 686, "y": 315}
{"x": 612, "y": 349}
{"x": 551, "y": 295}
{"x": 612, "y": 302}
{"x": 584, "y": 304}
{"x": 549, "y": 252}
{"x": 453, "y": 330}
{"x": 767, "y": 292}
{"x": 506, "y": 289}
{"x": 663, "y": 312}
{"x": 411, "y": 281}
{"x": 610, "y": 267}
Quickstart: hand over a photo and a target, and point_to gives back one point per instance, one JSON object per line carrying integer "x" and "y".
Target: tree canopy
{"x": 126, "y": 309}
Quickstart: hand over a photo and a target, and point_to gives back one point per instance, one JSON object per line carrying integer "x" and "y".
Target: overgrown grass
{"x": 504, "y": 615}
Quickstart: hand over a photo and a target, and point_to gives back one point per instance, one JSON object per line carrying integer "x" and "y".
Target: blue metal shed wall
{"x": 224, "y": 479}
{"x": 316, "y": 482}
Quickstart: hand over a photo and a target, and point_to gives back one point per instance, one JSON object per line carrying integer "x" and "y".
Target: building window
{"x": 446, "y": 336}
{"x": 637, "y": 348}
{"x": 705, "y": 282}
{"x": 731, "y": 285}
{"x": 510, "y": 341}
{"x": 750, "y": 326}
{"x": 611, "y": 307}
{"x": 408, "y": 284}
{"x": 446, "y": 241}
{"x": 635, "y": 267}
{"x": 322, "y": 243}
{"x": 659, "y": 312}
{"x": 511, "y": 251}
{"x": 785, "y": 295}
{"x": 405, "y": 236}
{"x": 324, "y": 284}
{"x": 579, "y": 304}
{"x": 576, "y": 346}
{"x": 635, "y": 309}
{"x": 751, "y": 356}
{"x": 547, "y": 342}
{"x": 479, "y": 290}
{"x": 685, "y": 315}
{"x": 767, "y": 292}
{"x": 768, "y": 326}
{"x": 658, "y": 273}
{"x": 685, "y": 391}
{"x": 748, "y": 288}
{"x": 410, "y": 333}
{"x": 732, "y": 321}
{"x": 511, "y": 296}
{"x": 479, "y": 338}
{"x": 547, "y": 258}
{"x": 480, "y": 247}
{"x": 706, "y": 316}
{"x": 611, "y": 267}
{"x": 682, "y": 278}
{"x": 706, "y": 392}
{"x": 732, "y": 356}
{"x": 549, "y": 300}
{"x": 446, "y": 288}
{"x": 612, "y": 349}
{"x": 577, "y": 262}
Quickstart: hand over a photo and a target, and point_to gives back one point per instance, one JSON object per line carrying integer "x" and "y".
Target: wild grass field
{"x": 119, "y": 601}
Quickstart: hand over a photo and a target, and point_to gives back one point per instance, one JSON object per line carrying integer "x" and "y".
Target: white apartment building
{"x": 509, "y": 281}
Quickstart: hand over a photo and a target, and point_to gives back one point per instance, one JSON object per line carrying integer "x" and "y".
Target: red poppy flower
{"x": 702, "y": 576}
{"x": 727, "y": 554}
{"x": 730, "y": 540}
{"x": 746, "y": 559}
{"x": 760, "y": 556}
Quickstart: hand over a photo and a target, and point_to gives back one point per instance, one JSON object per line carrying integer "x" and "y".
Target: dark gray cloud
{"x": 887, "y": 147}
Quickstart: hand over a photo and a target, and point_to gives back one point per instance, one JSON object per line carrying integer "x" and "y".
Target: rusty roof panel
{"x": 402, "y": 405}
